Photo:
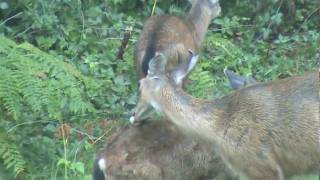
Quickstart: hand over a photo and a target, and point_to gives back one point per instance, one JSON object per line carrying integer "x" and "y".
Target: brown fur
{"x": 157, "y": 151}
{"x": 265, "y": 131}
{"x": 173, "y": 36}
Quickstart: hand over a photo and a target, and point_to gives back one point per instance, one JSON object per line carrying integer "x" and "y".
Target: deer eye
{"x": 156, "y": 77}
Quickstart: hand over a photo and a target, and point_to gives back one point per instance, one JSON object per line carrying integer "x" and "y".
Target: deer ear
{"x": 157, "y": 65}
{"x": 184, "y": 68}
{"x": 236, "y": 81}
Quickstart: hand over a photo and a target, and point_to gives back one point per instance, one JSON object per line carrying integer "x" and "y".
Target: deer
{"x": 263, "y": 131}
{"x": 173, "y": 36}
{"x": 158, "y": 151}
{"x": 131, "y": 151}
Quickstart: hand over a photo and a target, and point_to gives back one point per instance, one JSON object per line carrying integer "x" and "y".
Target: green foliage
{"x": 35, "y": 85}
{"x": 259, "y": 44}
{"x": 38, "y": 82}
{"x": 11, "y": 156}
{"x": 70, "y": 77}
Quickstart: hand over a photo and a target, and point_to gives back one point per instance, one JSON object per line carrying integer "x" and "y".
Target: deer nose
{"x": 131, "y": 120}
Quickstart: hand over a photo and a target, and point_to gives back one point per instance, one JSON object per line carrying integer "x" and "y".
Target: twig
{"x": 104, "y": 134}
{"x": 231, "y": 27}
{"x": 269, "y": 25}
{"x": 20, "y": 34}
{"x": 311, "y": 14}
{"x": 8, "y": 19}
{"x": 82, "y": 18}
{"x": 124, "y": 42}
{"x": 92, "y": 138}
{"x": 32, "y": 122}
{"x": 113, "y": 38}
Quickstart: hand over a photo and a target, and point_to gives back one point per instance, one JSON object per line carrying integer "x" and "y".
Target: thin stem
{"x": 104, "y": 134}
{"x": 65, "y": 154}
{"x": 26, "y": 30}
{"x": 271, "y": 22}
{"x": 8, "y": 19}
{"x": 231, "y": 27}
{"x": 154, "y": 7}
{"x": 32, "y": 122}
{"x": 307, "y": 18}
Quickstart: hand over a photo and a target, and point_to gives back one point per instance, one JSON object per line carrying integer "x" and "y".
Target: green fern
{"x": 39, "y": 81}
{"x": 11, "y": 156}
{"x": 9, "y": 93}
{"x": 36, "y": 86}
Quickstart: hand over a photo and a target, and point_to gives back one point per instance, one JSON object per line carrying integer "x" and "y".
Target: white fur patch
{"x": 102, "y": 164}
{"x": 131, "y": 120}
{"x": 213, "y": 1}
{"x": 155, "y": 105}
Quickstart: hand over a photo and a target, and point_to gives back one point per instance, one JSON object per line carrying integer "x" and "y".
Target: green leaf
{"x": 78, "y": 166}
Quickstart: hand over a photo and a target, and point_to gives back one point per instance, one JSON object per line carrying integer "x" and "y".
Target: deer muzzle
{"x": 141, "y": 113}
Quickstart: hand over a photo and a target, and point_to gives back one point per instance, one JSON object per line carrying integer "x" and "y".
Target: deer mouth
{"x": 141, "y": 114}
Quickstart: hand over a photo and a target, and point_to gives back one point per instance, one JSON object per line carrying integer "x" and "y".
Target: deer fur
{"x": 131, "y": 150}
{"x": 263, "y": 131}
{"x": 173, "y": 36}
{"x": 158, "y": 151}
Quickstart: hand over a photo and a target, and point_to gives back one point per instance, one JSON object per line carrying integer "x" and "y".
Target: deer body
{"x": 264, "y": 131}
{"x": 165, "y": 154}
{"x": 173, "y": 36}
{"x": 141, "y": 152}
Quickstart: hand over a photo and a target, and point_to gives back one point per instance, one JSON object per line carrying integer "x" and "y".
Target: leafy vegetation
{"x": 63, "y": 88}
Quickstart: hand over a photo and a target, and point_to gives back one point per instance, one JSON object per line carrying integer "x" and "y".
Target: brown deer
{"x": 173, "y": 36}
{"x": 158, "y": 151}
{"x": 143, "y": 152}
{"x": 158, "y": 34}
{"x": 167, "y": 150}
{"x": 263, "y": 131}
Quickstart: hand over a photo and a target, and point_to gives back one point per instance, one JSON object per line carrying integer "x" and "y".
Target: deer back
{"x": 158, "y": 151}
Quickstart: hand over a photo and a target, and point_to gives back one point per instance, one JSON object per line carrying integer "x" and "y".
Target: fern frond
{"x": 9, "y": 92}
{"x": 11, "y": 156}
{"x": 40, "y": 82}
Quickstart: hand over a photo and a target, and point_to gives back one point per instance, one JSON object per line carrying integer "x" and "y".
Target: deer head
{"x": 154, "y": 85}
{"x": 200, "y": 15}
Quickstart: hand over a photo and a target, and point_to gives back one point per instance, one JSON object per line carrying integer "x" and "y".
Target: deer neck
{"x": 200, "y": 17}
{"x": 190, "y": 114}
